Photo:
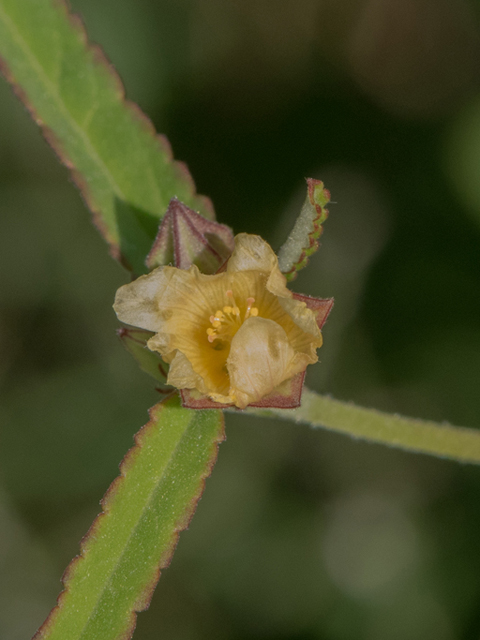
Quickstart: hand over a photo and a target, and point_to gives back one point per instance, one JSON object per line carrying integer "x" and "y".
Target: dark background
{"x": 301, "y": 534}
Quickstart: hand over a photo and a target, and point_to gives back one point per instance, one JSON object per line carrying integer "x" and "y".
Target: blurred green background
{"x": 301, "y": 534}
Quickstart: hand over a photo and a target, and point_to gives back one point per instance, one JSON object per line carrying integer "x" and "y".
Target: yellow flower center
{"x": 227, "y": 321}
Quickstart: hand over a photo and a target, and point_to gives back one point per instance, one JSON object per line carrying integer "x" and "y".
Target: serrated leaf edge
{"x": 143, "y": 601}
{"x": 77, "y": 178}
{"x": 312, "y": 237}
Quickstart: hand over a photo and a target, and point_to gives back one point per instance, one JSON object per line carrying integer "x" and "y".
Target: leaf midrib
{"x": 121, "y": 555}
{"x": 17, "y": 36}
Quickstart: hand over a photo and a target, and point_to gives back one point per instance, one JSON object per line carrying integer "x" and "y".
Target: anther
{"x": 226, "y": 321}
{"x": 235, "y": 310}
{"x": 250, "y": 310}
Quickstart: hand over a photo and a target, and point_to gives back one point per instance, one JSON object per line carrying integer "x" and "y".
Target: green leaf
{"x": 420, "y": 436}
{"x": 162, "y": 479}
{"x": 303, "y": 239}
{"x": 124, "y": 170}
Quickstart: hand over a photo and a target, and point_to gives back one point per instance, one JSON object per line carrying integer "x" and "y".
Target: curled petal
{"x": 303, "y": 318}
{"x": 252, "y": 253}
{"x": 321, "y": 307}
{"x": 182, "y": 375}
{"x": 137, "y": 303}
{"x": 261, "y": 357}
{"x": 287, "y": 395}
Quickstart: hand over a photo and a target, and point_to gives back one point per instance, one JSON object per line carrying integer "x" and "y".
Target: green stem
{"x": 421, "y": 436}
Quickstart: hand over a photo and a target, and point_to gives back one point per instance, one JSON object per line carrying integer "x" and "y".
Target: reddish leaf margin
{"x": 108, "y": 502}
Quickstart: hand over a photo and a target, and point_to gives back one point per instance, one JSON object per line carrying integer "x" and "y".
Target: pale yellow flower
{"x": 233, "y": 336}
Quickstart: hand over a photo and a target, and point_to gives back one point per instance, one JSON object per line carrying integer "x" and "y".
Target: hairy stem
{"x": 421, "y": 436}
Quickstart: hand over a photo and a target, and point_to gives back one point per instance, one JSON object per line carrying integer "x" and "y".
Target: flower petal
{"x": 261, "y": 357}
{"x": 321, "y": 307}
{"x": 165, "y": 293}
{"x": 252, "y": 253}
{"x": 182, "y": 375}
{"x": 137, "y": 303}
{"x": 304, "y": 318}
{"x": 287, "y": 395}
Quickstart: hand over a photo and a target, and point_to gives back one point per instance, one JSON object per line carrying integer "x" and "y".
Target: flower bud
{"x": 185, "y": 238}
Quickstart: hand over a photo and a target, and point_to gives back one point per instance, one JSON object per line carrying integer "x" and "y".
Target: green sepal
{"x": 185, "y": 237}
{"x": 135, "y": 342}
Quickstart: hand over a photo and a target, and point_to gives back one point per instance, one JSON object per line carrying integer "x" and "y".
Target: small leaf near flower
{"x": 185, "y": 238}
{"x": 303, "y": 240}
{"x": 236, "y": 337}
